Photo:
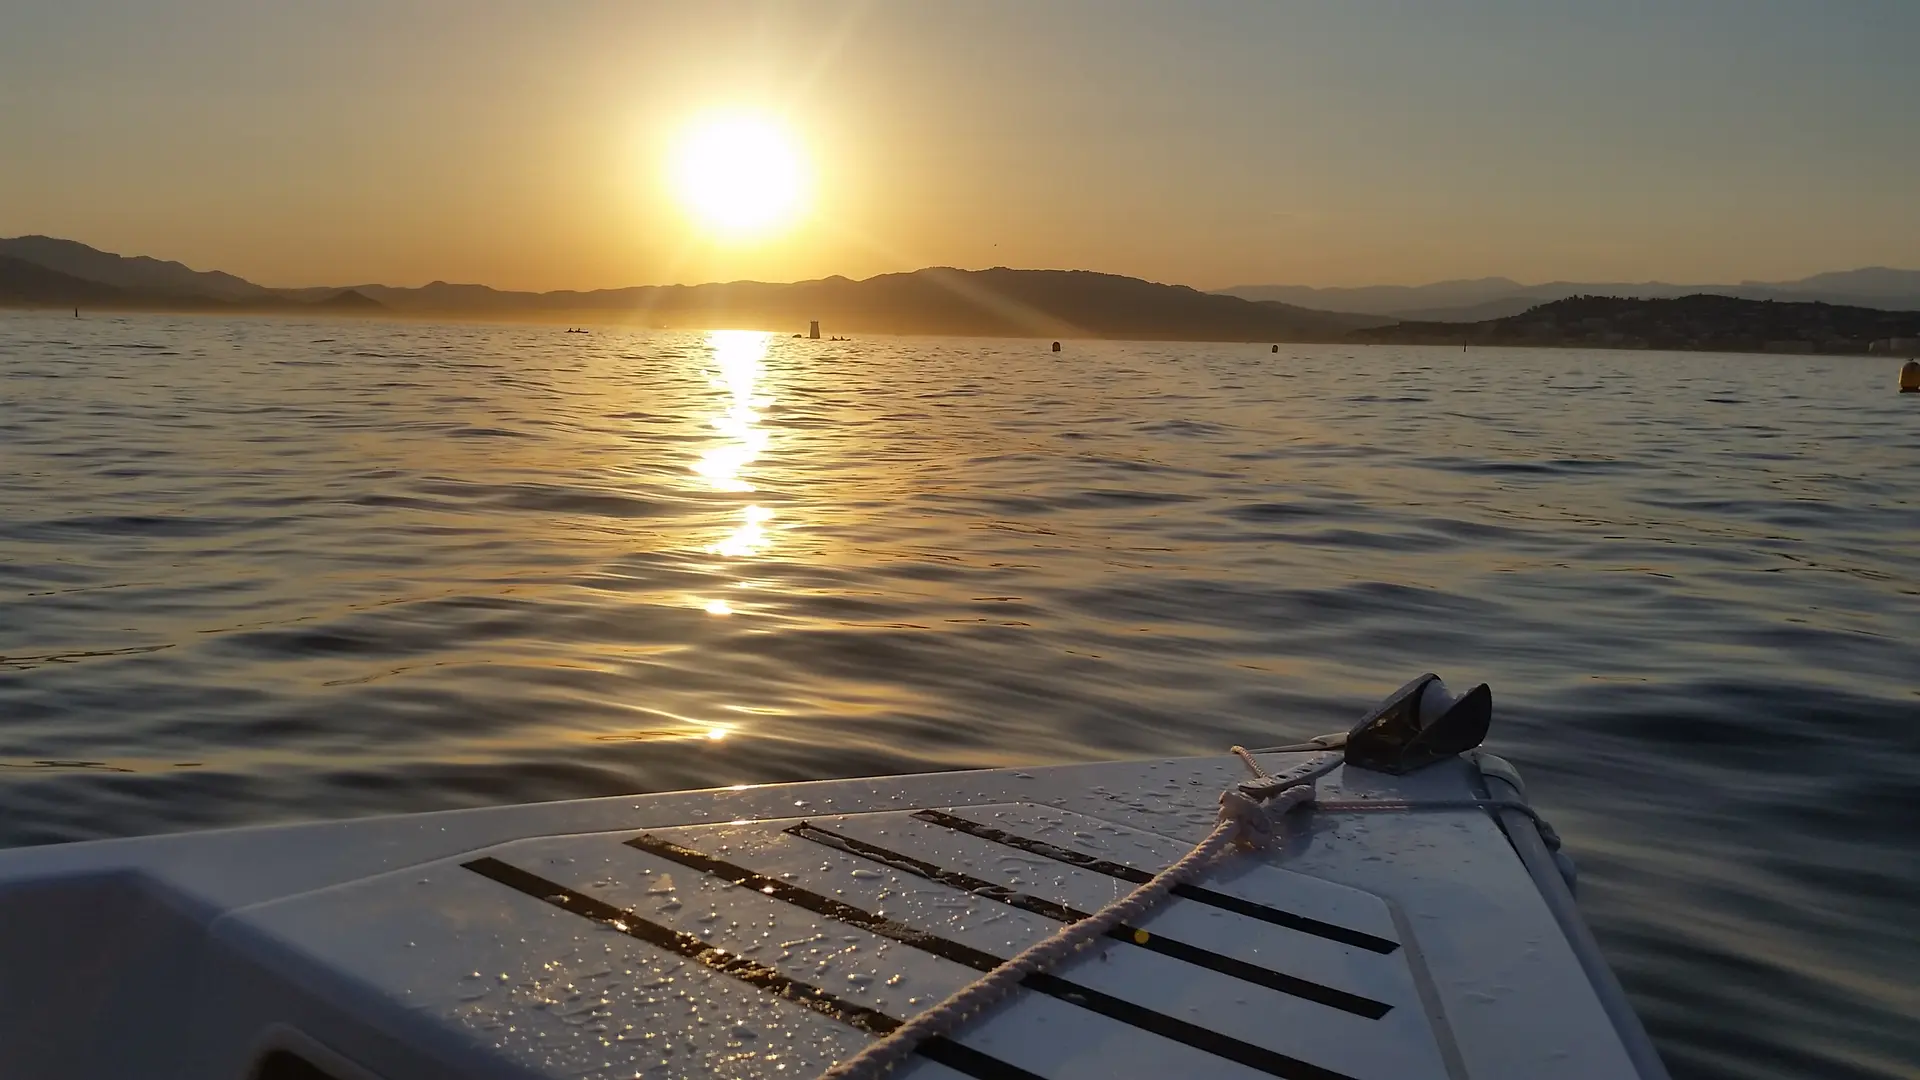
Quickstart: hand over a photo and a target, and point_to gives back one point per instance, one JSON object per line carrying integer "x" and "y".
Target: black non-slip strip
{"x": 943, "y": 1050}
{"x": 807, "y": 830}
{"x": 1165, "y": 946}
{"x": 1270, "y": 1062}
{"x": 687, "y": 945}
{"x": 812, "y": 901}
{"x": 965, "y": 1059}
{"x": 1038, "y": 847}
{"x": 1359, "y": 939}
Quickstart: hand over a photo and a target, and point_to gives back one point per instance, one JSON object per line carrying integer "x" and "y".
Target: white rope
{"x": 1246, "y": 758}
{"x": 1243, "y": 820}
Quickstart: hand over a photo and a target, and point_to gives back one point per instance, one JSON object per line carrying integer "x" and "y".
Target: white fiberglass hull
{"x": 768, "y": 932}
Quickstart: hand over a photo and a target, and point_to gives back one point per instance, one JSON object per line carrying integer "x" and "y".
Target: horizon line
{"x": 1744, "y": 282}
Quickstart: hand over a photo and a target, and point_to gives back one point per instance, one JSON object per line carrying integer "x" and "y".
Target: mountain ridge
{"x": 1003, "y": 301}
{"x": 138, "y": 272}
{"x": 999, "y": 301}
{"x": 1475, "y": 299}
{"x": 29, "y": 283}
{"x": 1696, "y": 322}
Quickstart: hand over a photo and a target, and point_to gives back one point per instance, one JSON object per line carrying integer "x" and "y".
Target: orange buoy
{"x": 1910, "y": 377}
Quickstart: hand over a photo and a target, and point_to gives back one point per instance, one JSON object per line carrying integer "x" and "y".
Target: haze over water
{"x": 258, "y": 570}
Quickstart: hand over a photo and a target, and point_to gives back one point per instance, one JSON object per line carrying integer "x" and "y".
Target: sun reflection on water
{"x": 739, "y": 362}
{"x": 739, "y": 357}
{"x": 748, "y": 537}
{"x": 738, "y": 354}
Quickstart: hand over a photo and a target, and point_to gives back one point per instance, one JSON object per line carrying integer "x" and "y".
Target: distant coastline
{"x": 999, "y": 302}
{"x": 1487, "y": 299}
{"x": 1699, "y": 323}
{"x": 45, "y": 272}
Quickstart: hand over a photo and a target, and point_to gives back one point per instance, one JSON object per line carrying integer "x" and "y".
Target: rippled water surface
{"x": 259, "y": 570}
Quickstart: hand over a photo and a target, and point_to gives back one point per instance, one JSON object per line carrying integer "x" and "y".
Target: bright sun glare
{"x": 740, "y": 175}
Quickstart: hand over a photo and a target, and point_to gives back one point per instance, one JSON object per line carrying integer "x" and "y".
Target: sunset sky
{"x": 1208, "y": 142}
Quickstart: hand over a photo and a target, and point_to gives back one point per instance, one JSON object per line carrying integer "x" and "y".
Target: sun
{"x": 740, "y": 175}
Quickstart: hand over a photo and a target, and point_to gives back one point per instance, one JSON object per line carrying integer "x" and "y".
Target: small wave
{"x": 550, "y": 499}
{"x": 1099, "y": 497}
{"x": 1274, "y": 511}
{"x": 76, "y": 656}
{"x": 156, "y": 525}
{"x": 1540, "y": 467}
{"x": 1193, "y": 428}
{"x": 486, "y": 433}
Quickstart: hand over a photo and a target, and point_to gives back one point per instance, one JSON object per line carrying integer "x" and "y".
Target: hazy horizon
{"x": 1218, "y": 144}
{"x": 909, "y": 270}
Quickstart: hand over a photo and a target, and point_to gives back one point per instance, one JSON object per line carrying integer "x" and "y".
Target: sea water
{"x": 257, "y": 570}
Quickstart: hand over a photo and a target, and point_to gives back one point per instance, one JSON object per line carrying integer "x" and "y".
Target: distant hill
{"x": 1700, "y": 321}
{"x": 43, "y": 271}
{"x": 1867, "y": 281}
{"x": 1487, "y": 298}
{"x": 1486, "y": 309}
{"x": 938, "y": 300}
{"x": 23, "y": 283}
{"x": 39, "y": 271}
{"x": 350, "y": 300}
{"x": 136, "y": 273}
{"x": 1385, "y": 300}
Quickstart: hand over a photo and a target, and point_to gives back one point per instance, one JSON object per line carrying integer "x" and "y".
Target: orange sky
{"x": 1215, "y": 143}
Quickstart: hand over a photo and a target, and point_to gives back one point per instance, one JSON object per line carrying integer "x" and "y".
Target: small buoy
{"x": 1276, "y": 348}
{"x": 1910, "y": 377}
{"x": 1056, "y": 346}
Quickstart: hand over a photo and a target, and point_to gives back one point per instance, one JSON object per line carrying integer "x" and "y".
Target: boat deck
{"x": 766, "y": 932}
